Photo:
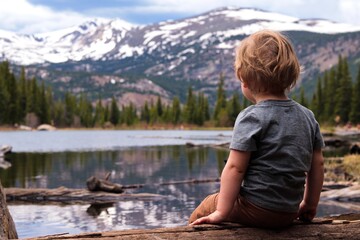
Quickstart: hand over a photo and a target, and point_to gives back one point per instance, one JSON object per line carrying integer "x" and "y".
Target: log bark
{"x": 326, "y": 228}
{"x": 7, "y": 225}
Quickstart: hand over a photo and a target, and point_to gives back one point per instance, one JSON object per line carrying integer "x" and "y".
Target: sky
{"x": 37, "y": 16}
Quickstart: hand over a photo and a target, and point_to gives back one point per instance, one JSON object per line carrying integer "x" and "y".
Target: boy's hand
{"x": 306, "y": 213}
{"x": 213, "y": 218}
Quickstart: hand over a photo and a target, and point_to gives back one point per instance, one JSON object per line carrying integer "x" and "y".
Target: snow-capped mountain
{"x": 103, "y": 39}
{"x": 90, "y": 40}
{"x": 192, "y": 49}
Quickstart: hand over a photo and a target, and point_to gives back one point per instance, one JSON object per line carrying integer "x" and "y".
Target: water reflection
{"x": 128, "y": 166}
{"x": 97, "y": 208}
{"x": 136, "y": 165}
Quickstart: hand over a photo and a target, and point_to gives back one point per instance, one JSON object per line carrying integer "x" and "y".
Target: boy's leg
{"x": 206, "y": 207}
{"x": 249, "y": 214}
{"x": 245, "y": 213}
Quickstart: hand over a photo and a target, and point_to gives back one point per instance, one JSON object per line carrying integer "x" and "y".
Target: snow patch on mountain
{"x": 103, "y": 39}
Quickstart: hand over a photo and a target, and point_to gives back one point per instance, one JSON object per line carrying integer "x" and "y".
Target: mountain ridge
{"x": 187, "y": 52}
{"x": 81, "y": 42}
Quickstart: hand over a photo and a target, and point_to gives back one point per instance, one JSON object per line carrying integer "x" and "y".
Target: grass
{"x": 352, "y": 165}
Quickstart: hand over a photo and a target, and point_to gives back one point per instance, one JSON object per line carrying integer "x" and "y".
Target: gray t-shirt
{"x": 281, "y": 136}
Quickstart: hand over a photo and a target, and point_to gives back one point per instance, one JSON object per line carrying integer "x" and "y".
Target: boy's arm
{"x": 231, "y": 179}
{"x": 314, "y": 183}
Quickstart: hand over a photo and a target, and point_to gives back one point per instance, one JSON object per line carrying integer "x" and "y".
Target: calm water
{"x": 68, "y": 158}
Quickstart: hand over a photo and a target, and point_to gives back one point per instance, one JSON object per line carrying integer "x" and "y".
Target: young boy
{"x": 275, "y": 147}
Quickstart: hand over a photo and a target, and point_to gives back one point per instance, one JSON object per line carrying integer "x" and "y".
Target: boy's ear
{"x": 244, "y": 84}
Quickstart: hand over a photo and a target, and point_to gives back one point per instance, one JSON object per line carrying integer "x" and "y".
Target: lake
{"x": 68, "y": 158}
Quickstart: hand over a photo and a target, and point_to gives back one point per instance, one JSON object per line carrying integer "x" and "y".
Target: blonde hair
{"x": 267, "y": 62}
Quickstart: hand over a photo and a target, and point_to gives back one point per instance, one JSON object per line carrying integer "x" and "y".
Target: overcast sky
{"x": 36, "y": 16}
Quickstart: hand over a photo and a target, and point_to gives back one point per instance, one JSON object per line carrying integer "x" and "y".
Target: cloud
{"x": 336, "y": 10}
{"x": 349, "y": 11}
{"x": 23, "y": 17}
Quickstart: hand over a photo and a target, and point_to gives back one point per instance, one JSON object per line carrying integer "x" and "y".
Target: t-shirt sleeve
{"x": 318, "y": 141}
{"x": 246, "y": 131}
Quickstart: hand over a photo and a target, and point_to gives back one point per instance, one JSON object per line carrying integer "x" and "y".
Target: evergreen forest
{"x": 336, "y": 100}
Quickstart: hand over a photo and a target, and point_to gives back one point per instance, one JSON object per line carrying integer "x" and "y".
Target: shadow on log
{"x": 346, "y": 227}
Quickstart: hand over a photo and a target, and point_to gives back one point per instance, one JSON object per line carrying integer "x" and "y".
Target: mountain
{"x": 134, "y": 63}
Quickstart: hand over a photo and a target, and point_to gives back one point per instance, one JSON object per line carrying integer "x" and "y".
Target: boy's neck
{"x": 260, "y": 97}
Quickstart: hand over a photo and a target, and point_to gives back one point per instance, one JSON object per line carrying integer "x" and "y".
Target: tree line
{"x": 336, "y": 99}
{"x": 28, "y": 102}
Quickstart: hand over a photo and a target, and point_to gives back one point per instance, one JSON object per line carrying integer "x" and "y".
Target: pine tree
{"x": 43, "y": 114}
{"x": 50, "y": 102}
{"x": 85, "y": 111}
{"x": 4, "y": 93}
{"x": 189, "y": 112}
{"x": 220, "y": 98}
{"x": 166, "y": 115}
{"x": 114, "y": 112}
{"x": 154, "y": 117}
{"x": 233, "y": 109}
{"x": 129, "y": 114}
{"x": 355, "y": 105}
{"x": 99, "y": 117}
{"x": 176, "y": 111}
{"x": 199, "y": 118}
{"x": 159, "y": 107}
{"x": 303, "y": 100}
{"x": 22, "y": 94}
{"x": 145, "y": 113}
{"x": 33, "y": 97}
{"x": 59, "y": 114}
{"x": 317, "y": 105}
{"x": 70, "y": 109}
{"x": 343, "y": 93}
{"x": 106, "y": 114}
{"x": 330, "y": 93}
{"x": 13, "y": 103}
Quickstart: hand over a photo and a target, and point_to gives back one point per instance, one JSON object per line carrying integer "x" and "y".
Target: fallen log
{"x": 67, "y": 195}
{"x": 346, "y": 227}
{"x": 347, "y": 194}
{"x": 102, "y": 195}
{"x": 336, "y": 142}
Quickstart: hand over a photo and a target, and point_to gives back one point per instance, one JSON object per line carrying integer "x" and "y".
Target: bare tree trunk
{"x": 7, "y": 225}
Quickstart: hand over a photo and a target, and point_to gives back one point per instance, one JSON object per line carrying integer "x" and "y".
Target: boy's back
{"x": 281, "y": 135}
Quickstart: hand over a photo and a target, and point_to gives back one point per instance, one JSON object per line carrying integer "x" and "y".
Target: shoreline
{"x": 326, "y": 131}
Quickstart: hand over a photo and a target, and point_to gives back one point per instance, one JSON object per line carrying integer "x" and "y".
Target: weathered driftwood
{"x": 7, "y": 226}
{"x": 96, "y": 184}
{"x": 67, "y": 195}
{"x": 347, "y": 194}
{"x": 347, "y": 227}
{"x": 336, "y": 142}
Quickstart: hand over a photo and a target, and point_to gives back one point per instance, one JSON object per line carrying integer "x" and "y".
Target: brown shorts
{"x": 245, "y": 213}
